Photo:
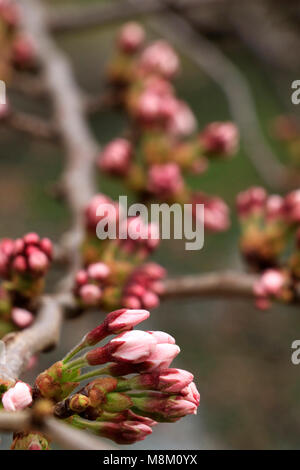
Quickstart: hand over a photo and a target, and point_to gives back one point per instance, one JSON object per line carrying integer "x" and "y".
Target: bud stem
{"x": 93, "y": 373}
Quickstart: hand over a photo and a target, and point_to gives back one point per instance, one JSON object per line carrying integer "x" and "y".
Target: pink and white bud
{"x": 131, "y": 37}
{"x": 21, "y": 317}
{"x": 216, "y": 212}
{"x": 251, "y": 201}
{"x": 161, "y": 357}
{"x": 190, "y": 393}
{"x": 271, "y": 282}
{"x": 111, "y": 211}
{"x": 220, "y": 138}
{"x": 116, "y": 157}
{"x": 292, "y": 206}
{"x": 98, "y": 271}
{"x": 161, "y": 337}
{"x": 182, "y": 122}
{"x": 90, "y": 294}
{"x": 174, "y": 380}
{"x": 275, "y": 208}
{"x": 160, "y": 58}
{"x": 19, "y": 264}
{"x": 130, "y": 301}
{"x": 38, "y": 261}
{"x": 133, "y": 346}
{"x": 17, "y": 397}
{"x": 165, "y": 180}
{"x": 125, "y": 320}
{"x": 81, "y": 277}
{"x": 150, "y": 300}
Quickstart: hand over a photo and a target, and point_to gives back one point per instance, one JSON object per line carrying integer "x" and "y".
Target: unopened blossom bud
{"x": 98, "y": 271}
{"x": 252, "y": 201}
{"x": 165, "y": 181}
{"x": 116, "y": 322}
{"x": 38, "y": 262}
{"x": 111, "y": 211}
{"x": 132, "y": 302}
{"x": 162, "y": 337}
{"x": 6, "y": 252}
{"x": 150, "y": 300}
{"x": 161, "y": 357}
{"x": 160, "y": 58}
{"x": 270, "y": 283}
{"x": 292, "y": 206}
{"x": 132, "y": 346}
{"x": 17, "y": 397}
{"x": 148, "y": 107}
{"x": 116, "y": 156}
{"x": 166, "y": 380}
{"x": 9, "y": 12}
{"x": 216, "y": 212}
{"x": 131, "y": 37}
{"x": 164, "y": 408}
{"x": 78, "y": 403}
{"x": 21, "y": 317}
{"x": 182, "y": 122}
{"x": 190, "y": 393}
{"x": 275, "y": 208}
{"x": 220, "y": 138}
{"x": 116, "y": 402}
{"x": 23, "y": 50}
{"x": 90, "y": 294}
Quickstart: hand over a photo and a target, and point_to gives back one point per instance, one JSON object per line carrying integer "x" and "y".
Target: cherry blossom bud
{"x": 275, "y": 208}
{"x": 6, "y": 251}
{"x": 130, "y": 301}
{"x": 220, "y": 138}
{"x": 23, "y": 50}
{"x": 160, "y": 58}
{"x": 30, "y": 441}
{"x": 17, "y": 397}
{"x": 161, "y": 337}
{"x": 161, "y": 357}
{"x": 182, "y": 122}
{"x": 164, "y": 408}
{"x": 216, "y": 212}
{"x": 38, "y": 262}
{"x": 131, "y": 37}
{"x": 132, "y": 346}
{"x": 191, "y": 393}
{"x": 150, "y": 300}
{"x": 292, "y": 206}
{"x": 111, "y": 212}
{"x": 19, "y": 264}
{"x": 166, "y": 380}
{"x": 270, "y": 283}
{"x": 81, "y": 277}
{"x": 21, "y": 317}
{"x": 116, "y": 157}
{"x": 98, "y": 271}
{"x": 165, "y": 180}
{"x": 90, "y": 294}
{"x": 116, "y": 322}
{"x": 251, "y": 201}
{"x": 9, "y": 12}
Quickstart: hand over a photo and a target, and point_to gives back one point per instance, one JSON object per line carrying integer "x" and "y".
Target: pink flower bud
{"x": 150, "y": 300}
{"x": 275, "y": 208}
{"x": 161, "y": 357}
{"x": 81, "y": 277}
{"x": 19, "y": 264}
{"x": 220, "y": 138}
{"x": 31, "y": 238}
{"x": 174, "y": 380}
{"x": 182, "y": 122}
{"x": 130, "y": 301}
{"x": 47, "y": 247}
{"x": 123, "y": 320}
{"x": 125, "y": 432}
{"x": 216, "y": 212}
{"x": 98, "y": 271}
{"x": 90, "y": 294}
{"x": 148, "y": 108}
{"x": 161, "y": 337}
{"x": 133, "y": 346}
{"x": 17, "y": 397}
{"x": 251, "y": 201}
{"x": 38, "y": 261}
{"x": 160, "y": 58}
{"x": 131, "y": 37}
{"x": 191, "y": 393}
{"x": 21, "y": 317}
{"x": 292, "y": 206}
{"x": 272, "y": 282}
{"x": 111, "y": 212}
{"x": 23, "y": 50}
{"x": 155, "y": 271}
{"x": 116, "y": 156}
{"x": 9, "y": 12}
{"x": 165, "y": 180}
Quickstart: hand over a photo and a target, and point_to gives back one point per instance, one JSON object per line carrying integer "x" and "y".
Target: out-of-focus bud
{"x": 251, "y": 202}
{"x": 21, "y": 317}
{"x": 182, "y": 122}
{"x": 112, "y": 211}
{"x": 220, "y": 138}
{"x": 23, "y": 51}
{"x": 6, "y": 252}
{"x": 216, "y": 212}
{"x": 275, "y": 208}
{"x": 165, "y": 181}
{"x": 116, "y": 157}
{"x": 292, "y": 206}
{"x": 131, "y": 37}
{"x": 17, "y": 397}
{"x": 90, "y": 294}
{"x": 160, "y": 58}
{"x": 30, "y": 441}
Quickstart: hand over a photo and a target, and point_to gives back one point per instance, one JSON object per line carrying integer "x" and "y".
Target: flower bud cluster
{"x": 163, "y": 147}
{"x": 123, "y": 409}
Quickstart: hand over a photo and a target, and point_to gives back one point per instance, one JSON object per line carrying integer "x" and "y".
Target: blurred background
{"x": 250, "y": 391}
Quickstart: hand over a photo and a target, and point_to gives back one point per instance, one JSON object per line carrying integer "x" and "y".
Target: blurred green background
{"x": 250, "y": 391}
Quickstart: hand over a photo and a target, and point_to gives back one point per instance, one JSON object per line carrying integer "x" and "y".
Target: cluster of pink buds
{"x": 164, "y": 146}
{"x": 144, "y": 287}
{"x": 123, "y": 409}
{"x": 24, "y": 263}
{"x": 267, "y": 223}
{"x": 114, "y": 265}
